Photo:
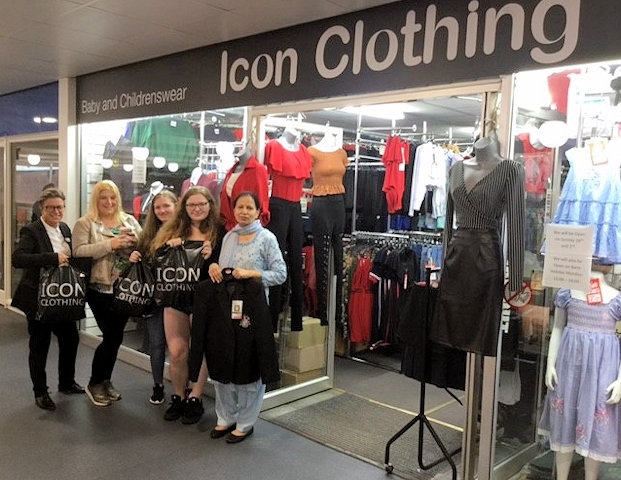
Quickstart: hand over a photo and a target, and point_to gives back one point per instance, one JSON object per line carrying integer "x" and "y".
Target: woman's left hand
{"x": 241, "y": 273}
{"x": 175, "y": 242}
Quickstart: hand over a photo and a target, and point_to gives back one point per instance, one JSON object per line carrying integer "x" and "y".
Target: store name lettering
{"x": 359, "y": 48}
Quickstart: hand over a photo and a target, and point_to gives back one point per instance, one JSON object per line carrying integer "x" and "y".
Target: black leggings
{"x": 286, "y": 224}
{"x": 328, "y": 222}
{"x": 112, "y": 326}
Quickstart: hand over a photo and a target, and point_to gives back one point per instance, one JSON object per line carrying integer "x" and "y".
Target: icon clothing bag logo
{"x": 133, "y": 290}
{"x": 62, "y": 294}
{"x": 177, "y": 272}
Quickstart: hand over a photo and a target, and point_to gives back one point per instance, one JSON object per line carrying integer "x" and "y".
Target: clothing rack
{"x": 421, "y": 417}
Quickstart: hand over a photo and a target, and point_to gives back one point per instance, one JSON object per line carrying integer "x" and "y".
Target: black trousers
{"x": 112, "y": 326}
{"x": 328, "y": 223}
{"x": 39, "y": 345}
{"x": 286, "y": 224}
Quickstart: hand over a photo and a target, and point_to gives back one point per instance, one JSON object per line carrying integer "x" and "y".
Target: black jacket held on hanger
{"x": 237, "y": 351}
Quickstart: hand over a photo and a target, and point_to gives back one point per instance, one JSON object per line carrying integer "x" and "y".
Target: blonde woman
{"x": 196, "y": 222}
{"x": 107, "y": 235}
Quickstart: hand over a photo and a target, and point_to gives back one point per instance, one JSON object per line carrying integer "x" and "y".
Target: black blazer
{"x": 236, "y": 352}
{"x": 33, "y": 252}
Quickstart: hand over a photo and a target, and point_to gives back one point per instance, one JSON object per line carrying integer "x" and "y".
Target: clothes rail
{"x": 421, "y": 418}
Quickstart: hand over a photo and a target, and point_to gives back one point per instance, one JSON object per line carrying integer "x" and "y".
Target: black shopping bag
{"x": 177, "y": 271}
{"x": 133, "y": 290}
{"x": 62, "y": 294}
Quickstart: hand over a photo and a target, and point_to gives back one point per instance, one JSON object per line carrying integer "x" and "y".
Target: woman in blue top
{"x": 253, "y": 253}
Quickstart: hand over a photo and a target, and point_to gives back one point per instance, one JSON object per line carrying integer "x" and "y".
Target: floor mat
{"x": 361, "y": 428}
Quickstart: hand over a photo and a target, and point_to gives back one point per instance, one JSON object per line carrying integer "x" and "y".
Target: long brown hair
{"x": 181, "y": 224}
{"x": 153, "y": 224}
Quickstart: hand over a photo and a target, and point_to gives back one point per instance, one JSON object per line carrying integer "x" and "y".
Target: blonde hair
{"x": 181, "y": 224}
{"x": 102, "y": 186}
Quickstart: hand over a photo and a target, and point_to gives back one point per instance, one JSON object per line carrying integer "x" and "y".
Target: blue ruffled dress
{"x": 591, "y": 195}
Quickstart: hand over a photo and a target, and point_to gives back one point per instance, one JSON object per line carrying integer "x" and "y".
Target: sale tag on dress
{"x": 237, "y": 307}
{"x": 594, "y": 297}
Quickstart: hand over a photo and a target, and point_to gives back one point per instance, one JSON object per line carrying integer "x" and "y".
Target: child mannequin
{"x": 561, "y": 346}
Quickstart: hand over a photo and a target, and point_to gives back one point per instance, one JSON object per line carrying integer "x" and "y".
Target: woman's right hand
{"x": 215, "y": 273}
{"x": 123, "y": 241}
{"x": 63, "y": 259}
{"x": 135, "y": 256}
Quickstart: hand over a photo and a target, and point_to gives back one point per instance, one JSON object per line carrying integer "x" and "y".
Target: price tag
{"x": 594, "y": 296}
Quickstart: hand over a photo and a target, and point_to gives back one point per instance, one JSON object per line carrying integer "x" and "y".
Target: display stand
{"x": 421, "y": 417}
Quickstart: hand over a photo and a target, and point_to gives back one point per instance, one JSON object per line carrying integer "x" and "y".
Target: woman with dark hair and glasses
{"x": 196, "y": 223}
{"x": 46, "y": 242}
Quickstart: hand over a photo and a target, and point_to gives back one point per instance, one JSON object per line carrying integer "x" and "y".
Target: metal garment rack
{"x": 421, "y": 418}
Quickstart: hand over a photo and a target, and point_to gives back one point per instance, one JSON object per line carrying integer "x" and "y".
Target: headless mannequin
{"x": 486, "y": 159}
{"x": 563, "y": 460}
{"x": 154, "y": 189}
{"x": 242, "y": 159}
{"x": 327, "y": 143}
{"x": 289, "y": 139}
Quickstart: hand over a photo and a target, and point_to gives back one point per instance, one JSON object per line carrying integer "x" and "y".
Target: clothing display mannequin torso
{"x": 327, "y": 213}
{"x": 481, "y": 193}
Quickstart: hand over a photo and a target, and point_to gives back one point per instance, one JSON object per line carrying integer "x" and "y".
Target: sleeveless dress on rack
{"x": 591, "y": 195}
{"x": 576, "y": 416}
{"x": 469, "y": 307}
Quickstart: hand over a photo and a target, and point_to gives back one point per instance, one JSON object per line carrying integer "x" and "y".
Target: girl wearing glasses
{"x": 196, "y": 222}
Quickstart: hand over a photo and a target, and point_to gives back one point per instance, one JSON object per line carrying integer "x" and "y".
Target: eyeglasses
{"x": 51, "y": 208}
{"x": 192, "y": 206}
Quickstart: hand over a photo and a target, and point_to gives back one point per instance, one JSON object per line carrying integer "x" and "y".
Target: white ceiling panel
{"x": 44, "y": 40}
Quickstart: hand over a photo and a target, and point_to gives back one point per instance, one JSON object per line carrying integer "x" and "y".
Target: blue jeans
{"x": 157, "y": 344}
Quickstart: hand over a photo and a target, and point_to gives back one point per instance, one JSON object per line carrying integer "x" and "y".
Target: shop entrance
{"x": 368, "y": 358}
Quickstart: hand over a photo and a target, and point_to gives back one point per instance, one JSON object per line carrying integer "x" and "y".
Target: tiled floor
{"x": 130, "y": 440}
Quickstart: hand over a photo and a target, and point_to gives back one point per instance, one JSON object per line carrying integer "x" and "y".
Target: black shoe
{"x": 74, "y": 388}
{"x": 157, "y": 397}
{"x": 45, "y": 402}
{"x": 193, "y": 411}
{"x": 176, "y": 409}
{"x": 239, "y": 438}
{"x": 221, "y": 433}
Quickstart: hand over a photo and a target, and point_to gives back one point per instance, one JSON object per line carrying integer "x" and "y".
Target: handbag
{"x": 133, "y": 290}
{"x": 62, "y": 294}
{"x": 177, "y": 271}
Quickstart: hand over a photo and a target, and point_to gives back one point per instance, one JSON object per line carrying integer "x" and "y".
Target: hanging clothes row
{"x": 376, "y": 268}
{"x": 413, "y": 180}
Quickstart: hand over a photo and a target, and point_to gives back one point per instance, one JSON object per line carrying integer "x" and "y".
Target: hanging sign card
{"x": 567, "y": 262}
